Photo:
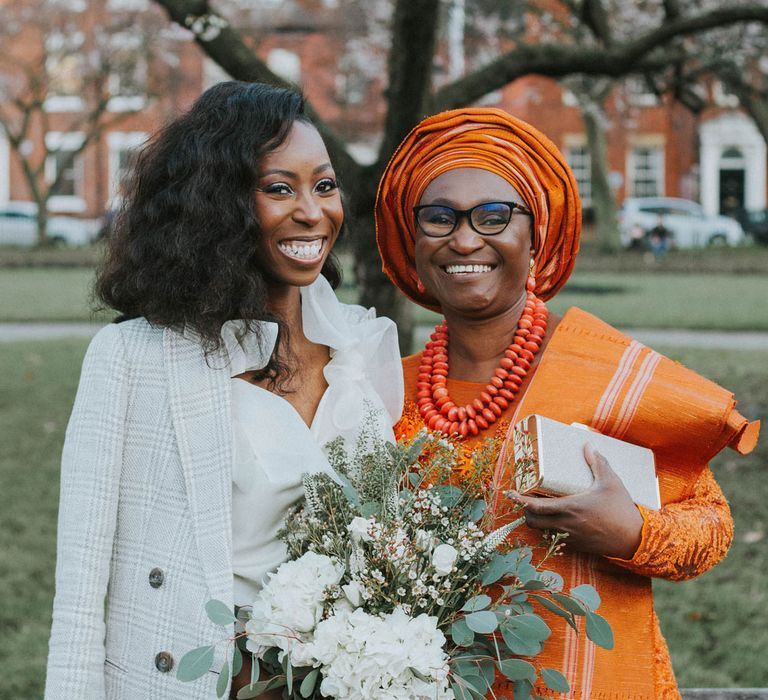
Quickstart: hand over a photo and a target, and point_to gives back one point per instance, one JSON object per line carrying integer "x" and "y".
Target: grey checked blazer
{"x": 150, "y": 430}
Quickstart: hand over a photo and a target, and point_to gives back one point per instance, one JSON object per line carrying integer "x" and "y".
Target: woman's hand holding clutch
{"x": 601, "y": 520}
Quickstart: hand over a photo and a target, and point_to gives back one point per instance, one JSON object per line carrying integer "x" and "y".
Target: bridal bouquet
{"x": 397, "y": 587}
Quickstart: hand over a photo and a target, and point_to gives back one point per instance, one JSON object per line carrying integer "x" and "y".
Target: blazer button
{"x": 164, "y": 662}
{"x": 156, "y": 578}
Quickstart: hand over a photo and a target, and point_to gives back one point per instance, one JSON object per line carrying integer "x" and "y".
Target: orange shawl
{"x": 590, "y": 373}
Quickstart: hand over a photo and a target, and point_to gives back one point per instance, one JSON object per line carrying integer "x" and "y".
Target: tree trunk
{"x": 375, "y": 288}
{"x": 42, "y": 221}
{"x": 603, "y": 204}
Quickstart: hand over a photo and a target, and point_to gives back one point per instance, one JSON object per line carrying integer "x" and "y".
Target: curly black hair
{"x": 182, "y": 253}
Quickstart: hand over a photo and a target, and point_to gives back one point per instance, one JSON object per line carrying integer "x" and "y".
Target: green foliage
{"x": 195, "y": 663}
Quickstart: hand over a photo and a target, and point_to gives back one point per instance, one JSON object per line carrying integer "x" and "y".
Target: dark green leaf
{"x": 587, "y": 595}
{"x": 477, "y": 510}
{"x": 483, "y": 622}
{"x": 534, "y": 585}
{"x": 525, "y": 572}
{"x": 570, "y": 604}
{"x": 221, "y": 684}
{"x": 555, "y": 680}
{"x": 599, "y": 631}
{"x": 557, "y": 610}
{"x": 519, "y": 645}
{"x": 237, "y": 660}
{"x": 449, "y": 495}
{"x": 522, "y": 690}
{"x": 309, "y": 682}
{"x": 195, "y": 663}
{"x": 517, "y": 670}
{"x": 501, "y": 565}
{"x": 219, "y": 613}
{"x": 461, "y": 635}
{"x": 370, "y": 508}
{"x": 255, "y": 689}
{"x": 479, "y": 602}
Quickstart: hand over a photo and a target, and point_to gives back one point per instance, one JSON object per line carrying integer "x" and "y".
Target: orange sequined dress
{"x": 591, "y": 373}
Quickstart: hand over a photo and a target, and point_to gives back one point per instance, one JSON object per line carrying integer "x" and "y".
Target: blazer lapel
{"x": 200, "y": 396}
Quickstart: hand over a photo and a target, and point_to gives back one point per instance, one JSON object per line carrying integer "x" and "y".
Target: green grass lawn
{"x": 659, "y": 300}
{"x": 715, "y": 625}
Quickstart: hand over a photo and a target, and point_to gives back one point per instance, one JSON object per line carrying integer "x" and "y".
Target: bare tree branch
{"x": 226, "y": 47}
{"x": 557, "y": 61}
{"x": 594, "y": 15}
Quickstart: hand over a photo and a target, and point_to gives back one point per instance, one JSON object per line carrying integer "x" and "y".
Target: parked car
{"x": 686, "y": 220}
{"x": 18, "y": 227}
{"x": 755, "y": 224}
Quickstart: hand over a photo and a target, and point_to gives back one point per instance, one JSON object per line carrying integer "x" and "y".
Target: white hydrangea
{"x": 367, "y": 657}
{"x": 290, "y": 605}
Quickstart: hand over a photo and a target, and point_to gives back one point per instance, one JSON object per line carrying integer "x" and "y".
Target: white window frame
{"x": 57, "y": 41}
{"x": 127, "y": 5}
{"x": 584, "y": 183}
{"x": 118, "y": 141}
{"x": 633, "y": 157}
{"x": 58, "y": 140}
{"x": 638, "y": 94}
{"x": 118, "y": 102}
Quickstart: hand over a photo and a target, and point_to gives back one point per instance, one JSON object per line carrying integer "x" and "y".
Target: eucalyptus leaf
{"x": 519, "y": 645}
{"x": 501, "y": 565}
{"x": 221, "y": 684}
{"x": 308, "y": 684}
{"x": 553, "y": 580}
{"x": 517, "y": 670}
{"x": 526, "y": 572}
{"x": 599, "y": 631}
{"x": 534, "y": 584}
{"x": 255, "y": 670}
{"x": 557, "y": 610}
{"x": 289, "y": 676}
{"x": 570, "y": 604}
{"x": 479, "y": 602}
{"x": 587, "y": 595}
{"x": 237, "y": 660}
{"x": 482, "y": 622}
{"x": 370, "y": 508}
{"x": 414, "y": 479}
{"x": 252, "y": 690}
{"x": 477, "y": 510}
{"x": 522, "y": 690}
{"x": 449, "y": 495}
{"x": 195, "y": 663}
{"x": 461, "y": 635}
{"x": 219, "y": 613}
{"x": 555, "y": 680}
{"x": 530, "y": 625}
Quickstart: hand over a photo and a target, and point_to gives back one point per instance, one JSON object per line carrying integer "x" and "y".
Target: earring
{"x": 530, "y": 283}
{"x": 420, "y": 286}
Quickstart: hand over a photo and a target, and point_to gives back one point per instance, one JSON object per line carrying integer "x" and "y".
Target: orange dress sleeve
{"x": 684, "y": 539}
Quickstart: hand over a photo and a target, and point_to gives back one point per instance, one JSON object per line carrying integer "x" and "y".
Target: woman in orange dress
{"x": 478, "y": 217}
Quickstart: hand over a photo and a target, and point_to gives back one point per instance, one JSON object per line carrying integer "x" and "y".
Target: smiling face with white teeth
{"x": 298, "y": 207}
{"x": 469, "y": 273}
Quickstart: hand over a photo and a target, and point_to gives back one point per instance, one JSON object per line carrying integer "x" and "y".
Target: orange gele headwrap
{"x": 489, "y": 139}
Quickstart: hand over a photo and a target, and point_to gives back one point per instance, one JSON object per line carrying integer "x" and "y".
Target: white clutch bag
{"x": 549, "y": 460}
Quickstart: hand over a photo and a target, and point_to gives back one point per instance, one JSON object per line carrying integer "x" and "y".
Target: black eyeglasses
{"x": 487, "y": 219}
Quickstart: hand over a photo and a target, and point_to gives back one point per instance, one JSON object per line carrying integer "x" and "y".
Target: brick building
{"x": 654, "y": 148}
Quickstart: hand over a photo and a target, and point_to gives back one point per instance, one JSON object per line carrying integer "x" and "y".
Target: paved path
{"x": 723, "y": 340}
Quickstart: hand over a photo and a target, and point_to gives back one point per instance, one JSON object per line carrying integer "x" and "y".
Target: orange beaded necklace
{"x": 441, "y": 414}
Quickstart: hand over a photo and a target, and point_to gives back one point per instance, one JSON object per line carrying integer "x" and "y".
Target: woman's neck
{"x": 285, "y": 304}
{"x": 476, "y": 346}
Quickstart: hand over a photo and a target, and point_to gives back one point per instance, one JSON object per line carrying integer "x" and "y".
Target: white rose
{"x": 354, "y": 593}
{"x": 358, "y": 528}
{"x": 443, "y": 559}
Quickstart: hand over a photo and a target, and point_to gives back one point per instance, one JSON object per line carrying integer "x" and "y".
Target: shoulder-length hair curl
{"x": 182, "y": 253}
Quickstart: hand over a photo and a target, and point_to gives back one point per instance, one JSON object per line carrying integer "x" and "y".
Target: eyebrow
{"x": 290, "y": 173}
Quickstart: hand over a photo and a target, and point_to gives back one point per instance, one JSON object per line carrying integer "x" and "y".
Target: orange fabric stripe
{"x": 611, "y": 393}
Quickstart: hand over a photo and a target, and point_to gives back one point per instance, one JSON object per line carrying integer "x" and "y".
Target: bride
{"x": 231, "y": 365}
